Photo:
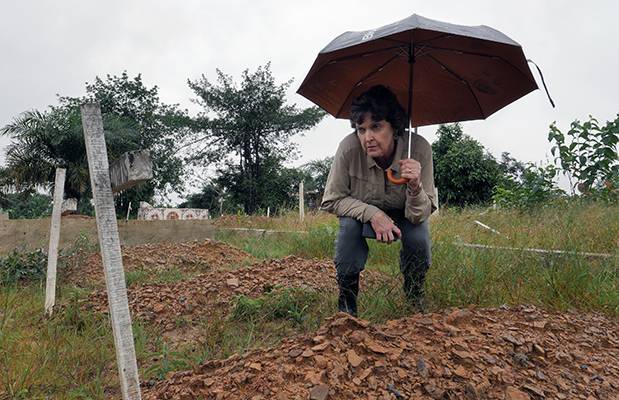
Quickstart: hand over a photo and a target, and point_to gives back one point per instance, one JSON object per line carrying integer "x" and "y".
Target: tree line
{"x": 233, "y": 153}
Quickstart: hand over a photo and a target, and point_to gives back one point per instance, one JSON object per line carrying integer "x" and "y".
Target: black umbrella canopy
{"x": 439, "y": 71}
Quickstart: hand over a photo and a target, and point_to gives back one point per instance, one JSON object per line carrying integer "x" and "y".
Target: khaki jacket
{"x": 357, "y": 187}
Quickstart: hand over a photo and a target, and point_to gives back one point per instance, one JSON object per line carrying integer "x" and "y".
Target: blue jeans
{"x": 351, "y": 253}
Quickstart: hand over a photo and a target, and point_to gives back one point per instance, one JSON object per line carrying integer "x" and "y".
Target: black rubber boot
{"x": 414, "y": 268}
{"x": 349, "y": 289}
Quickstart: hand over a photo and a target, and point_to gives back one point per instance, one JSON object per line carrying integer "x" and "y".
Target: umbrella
{"x": 442, "y": 72}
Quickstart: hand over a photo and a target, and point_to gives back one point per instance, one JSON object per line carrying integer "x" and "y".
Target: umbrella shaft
{"x": 410, "y": 136}
{"x": 411, "y": 62}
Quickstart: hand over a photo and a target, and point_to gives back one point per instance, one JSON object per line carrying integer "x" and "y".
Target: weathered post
{"x": 107, "y": 229}
{"x": 54, "y": 239}
{"x": 268, "y": 212}
{"x": 301, "y": 203}
{"x": 128, "y": 211}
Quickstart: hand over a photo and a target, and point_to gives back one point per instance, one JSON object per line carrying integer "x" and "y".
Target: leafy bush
{"x": 23, "y": 266}
{"x": 26, "y": 205}
{"x": 587, "y": 152}
{"x": 525, "y": 185}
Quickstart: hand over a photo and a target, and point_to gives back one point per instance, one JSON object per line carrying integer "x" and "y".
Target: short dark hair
{"x": 382, "y": 104}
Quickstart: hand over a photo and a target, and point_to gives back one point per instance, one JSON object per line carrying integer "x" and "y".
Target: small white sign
{"x": 368, "y": 35}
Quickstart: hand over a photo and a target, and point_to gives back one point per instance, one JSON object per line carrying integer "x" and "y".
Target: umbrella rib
{"x": 364, "y": 78}
{"x": 386, "y": 39}
{"x": 472, "y": 53}
{"x": 468, "y": 85}
{"x": 362, "y": 54}
{"x": 445, "y": 35}
{"x": 403, "y": 42}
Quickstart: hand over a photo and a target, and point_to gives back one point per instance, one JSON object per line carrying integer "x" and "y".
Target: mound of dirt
{"x": 154, "y": 257}
{"x": 519, "y": 353}
{"x": 196, "y": 298}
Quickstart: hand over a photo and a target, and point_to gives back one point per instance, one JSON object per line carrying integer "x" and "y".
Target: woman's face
{"x": 376, "y": 138}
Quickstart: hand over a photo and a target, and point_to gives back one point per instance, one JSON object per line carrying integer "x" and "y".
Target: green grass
{"x": 41, "y": 357}
{"x": 71, "y": 355}
{"x": 292, "y": 304}
{"x": 460, "y": 276}
{"x": 143, "y": 276}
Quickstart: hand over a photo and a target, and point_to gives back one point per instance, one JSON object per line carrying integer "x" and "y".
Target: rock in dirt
{"x": 512, "y": 393}
{"x": 353, "y": 358}
{"x": 319, "y": 392}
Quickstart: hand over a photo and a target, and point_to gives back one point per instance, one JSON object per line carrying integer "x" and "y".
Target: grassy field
{"x": 71, "y": 356}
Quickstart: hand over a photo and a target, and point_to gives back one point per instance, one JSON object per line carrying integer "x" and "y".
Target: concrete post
{"x": 107, "y": 229}
{"x": 301, "y": 203}
{"x": 54, "y": 239}
{"x": 130, "y": 169}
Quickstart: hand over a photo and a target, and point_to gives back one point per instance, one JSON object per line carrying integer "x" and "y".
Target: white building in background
{"x": 149, "y": 213}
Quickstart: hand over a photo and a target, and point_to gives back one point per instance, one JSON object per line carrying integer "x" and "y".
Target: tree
{"x": 463, "y": 171}
{"x": 133, "y": 118}
{"x": 276, "y": 186}
{"x": 160, "y": 129}
{"x": 246, "y": 130}
{"x": 317, "y": 172}
{"x": 44, "y": 141}
{"x": 209, "y": 198}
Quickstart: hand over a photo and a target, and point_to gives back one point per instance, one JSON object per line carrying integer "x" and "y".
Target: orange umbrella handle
{"x": 394, "y": 180}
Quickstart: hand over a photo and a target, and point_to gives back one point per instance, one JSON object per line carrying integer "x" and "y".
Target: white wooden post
{"x": 268, "y": 212}
{"x": 107, "y": 228}
{"x": 54, "y": 239}
{"x": 301, "y": 202}
{"x": 128, "y": 211}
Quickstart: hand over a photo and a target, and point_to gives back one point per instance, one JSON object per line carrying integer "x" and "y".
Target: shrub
{"x": 463, "y": 171}
{"x": 526, "y": 186}
{"x": 23, "y": 266}
{"x": 587, "y": 152}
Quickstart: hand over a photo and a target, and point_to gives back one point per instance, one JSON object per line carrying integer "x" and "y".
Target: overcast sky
{"x": 54, "y": 47}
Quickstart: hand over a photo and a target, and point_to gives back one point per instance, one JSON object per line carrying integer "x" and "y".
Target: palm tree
{"x": 44, "y": 141}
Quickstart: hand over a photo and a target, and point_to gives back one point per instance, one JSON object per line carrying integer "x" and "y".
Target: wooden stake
{"x": 301, "y": 203}
{"x": 107, "y": 228}
{"x": 54, "y": 239}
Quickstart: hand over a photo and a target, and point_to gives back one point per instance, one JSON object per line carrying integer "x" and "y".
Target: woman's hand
{"x": 411, "y": 170}
{"x": 385, "y": 229}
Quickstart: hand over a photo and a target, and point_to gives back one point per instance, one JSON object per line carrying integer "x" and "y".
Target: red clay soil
{"x": 196, "y": 298}
{"x": 517, "y": 354}
{"x": 208, "y": 254}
